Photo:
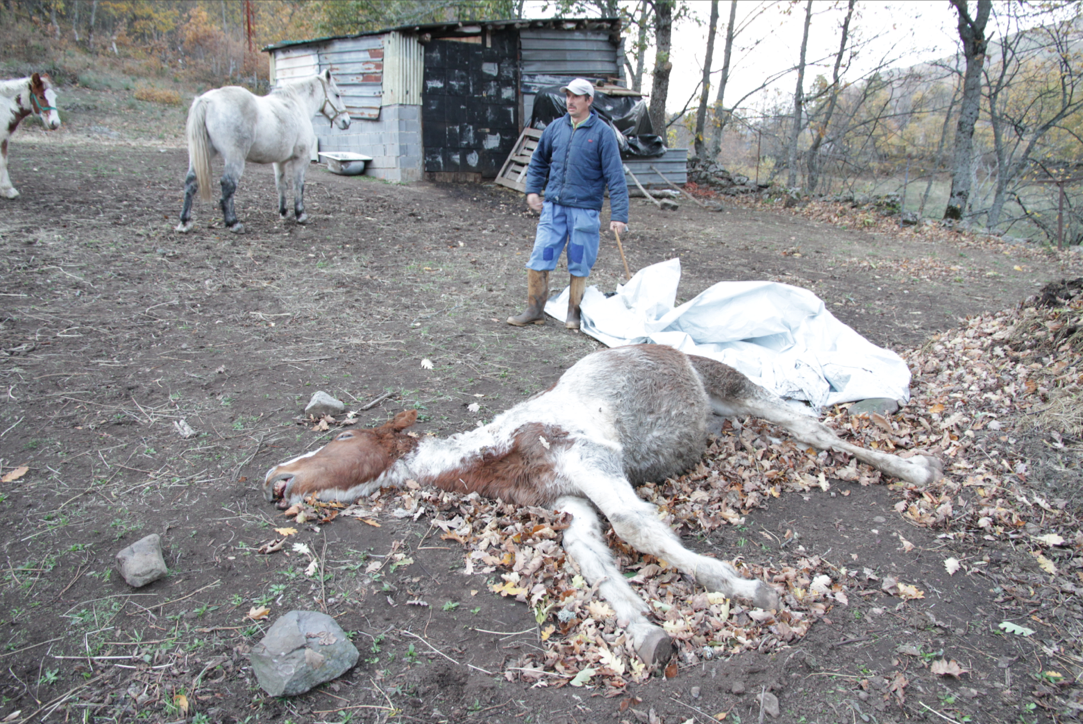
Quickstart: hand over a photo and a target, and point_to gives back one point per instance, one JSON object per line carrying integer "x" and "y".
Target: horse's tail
{"x": 199, "y": 147}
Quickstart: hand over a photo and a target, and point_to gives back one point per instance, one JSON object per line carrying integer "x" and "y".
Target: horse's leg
{"x": 583, "y": 541}
{"x": 280, "y": 186}
{"x": 191, "y": 187}
{"x": 6, "y": 189}
{"x": 636, "y": 521}
{"x": 299, "y": 166}
{"x": 231, "y": 176}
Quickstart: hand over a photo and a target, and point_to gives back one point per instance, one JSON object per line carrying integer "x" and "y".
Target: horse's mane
{"x": 11, "y": 88}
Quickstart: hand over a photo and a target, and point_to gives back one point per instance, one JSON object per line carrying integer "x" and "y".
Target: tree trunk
{"x": 90, "y": 29}
{"x": 719, "y": 108}
{"x": 939, "y": 152}
{"x": 972, "y": 35}
{"x": 663, "y": 39}
{"x": 798, "y": 103}
{"x": 75, "y": 21}
{"x": 832, "y": 100}
{"x": 641, "y": 45}
{"x": 701, "y": 114}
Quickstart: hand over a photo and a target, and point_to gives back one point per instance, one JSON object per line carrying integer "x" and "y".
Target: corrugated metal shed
{"x": 450, "y": 99}
{"x": 404, "y": 69}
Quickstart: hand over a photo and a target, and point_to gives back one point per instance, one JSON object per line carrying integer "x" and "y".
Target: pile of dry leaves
{"x": 975, "y": 390}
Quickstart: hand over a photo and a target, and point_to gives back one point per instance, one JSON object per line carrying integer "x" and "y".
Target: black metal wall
{"x": 470, "y": 104}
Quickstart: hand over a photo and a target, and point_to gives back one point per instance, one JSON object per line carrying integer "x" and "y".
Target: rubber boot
{"x": 537, "y": 294}
{"x": 575, "y": 298}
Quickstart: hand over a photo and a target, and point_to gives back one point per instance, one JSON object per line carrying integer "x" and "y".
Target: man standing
{"x": 576, "y": 158}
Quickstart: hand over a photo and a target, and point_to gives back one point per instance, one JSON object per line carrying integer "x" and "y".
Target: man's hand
{"x": 617, "y": 227}
{"x": 534, "y": 202}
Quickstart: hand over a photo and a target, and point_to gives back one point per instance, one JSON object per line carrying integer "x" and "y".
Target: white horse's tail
{"x": 199, "y": 153}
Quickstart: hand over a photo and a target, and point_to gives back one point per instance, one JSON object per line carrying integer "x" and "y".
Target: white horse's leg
{"x": 583, "y": 541}
{"x": 636, "y": 521}
{"x": 6, "y": 189}
{"x": 299, "y": 167}
{"x": 280, "y": 186}
{"x": 191, "y": 187}
{"x": 231, "y": 177}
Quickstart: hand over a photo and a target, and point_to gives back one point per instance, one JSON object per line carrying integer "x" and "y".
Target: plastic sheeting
{"x": 782, "y": 337}
{"x": 627, "y": 115}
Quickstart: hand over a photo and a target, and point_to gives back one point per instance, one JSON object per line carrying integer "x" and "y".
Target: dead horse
{"x": 615, "y": 419}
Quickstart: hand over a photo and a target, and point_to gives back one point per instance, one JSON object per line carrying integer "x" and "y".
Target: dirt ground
{"x": 114, "y": 329}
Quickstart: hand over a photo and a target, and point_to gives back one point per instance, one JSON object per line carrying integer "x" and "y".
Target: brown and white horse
{"x": 617, "y": 418}
{"x": 20, "y": 98}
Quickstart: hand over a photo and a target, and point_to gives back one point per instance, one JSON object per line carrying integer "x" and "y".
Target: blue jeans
{"x": 565, "y": 224}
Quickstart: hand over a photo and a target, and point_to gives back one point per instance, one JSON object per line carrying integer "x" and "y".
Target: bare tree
{"x": 972, "y": 35}
{"x": 701, "y": 114}
{"x": 1033, "y": 85}
{"x": 798, "y": 102}
{"x": 823, "y": 123}
{"x": 663, "y": 39}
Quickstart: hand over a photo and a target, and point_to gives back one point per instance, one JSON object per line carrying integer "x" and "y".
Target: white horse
{"x": 20, "y": 98}
{"x": 275, "y": 128}
{"x": 615, "y": 419}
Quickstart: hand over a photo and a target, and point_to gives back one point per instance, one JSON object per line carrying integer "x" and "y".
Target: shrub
{"x": 158, "y": 95}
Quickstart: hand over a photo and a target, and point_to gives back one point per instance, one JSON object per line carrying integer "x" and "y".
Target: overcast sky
{"x": 902, "y": 33}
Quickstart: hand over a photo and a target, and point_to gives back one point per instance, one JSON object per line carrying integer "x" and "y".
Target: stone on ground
{"x": 323, "y": 404}
{"x": 141, "y": 562}
{"x": 302, "y": 650}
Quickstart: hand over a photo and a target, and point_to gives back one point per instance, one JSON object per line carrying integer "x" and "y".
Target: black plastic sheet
{"x": 627, "y": 115}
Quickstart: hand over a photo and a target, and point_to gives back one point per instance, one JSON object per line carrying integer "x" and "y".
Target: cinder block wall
{"x": 393, "y": 141}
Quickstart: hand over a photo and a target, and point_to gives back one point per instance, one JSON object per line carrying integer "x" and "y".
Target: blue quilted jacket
{"x": 578, "y": 164}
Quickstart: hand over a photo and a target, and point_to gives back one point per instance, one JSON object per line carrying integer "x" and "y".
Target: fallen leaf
{"x": 426, "y": 364}
{"x": 373, "y": 523}
{"x": 1051, "y": 539}
{"x": 286, "y": 531}
{"x": 583, "y": 677}
{"x": 473, "y": 407}
{"x": 273, "y": 547}
{"x": 907, "y": 545}
{"x": 15, "y": 474}
{"x": 1014, "y": 628}
{"x": 258, "y": 613}
{"x": 943, "y": 667}
{"x": 671, "y": 670}
{"x": 1046, "y": 564}
{"x": 952, "y": 565}
{"x": 908, "y": 592}
{"x": 181, "y": 702}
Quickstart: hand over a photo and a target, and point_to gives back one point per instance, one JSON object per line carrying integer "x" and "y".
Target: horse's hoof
{"x": 657, "y": 649}
{"x": 302, "y": 219}
{"x": 184, "y": 227}
{"x": 237, "y": 228}
{"x": 765, "y": 597}
{"x": 9, "y": 193}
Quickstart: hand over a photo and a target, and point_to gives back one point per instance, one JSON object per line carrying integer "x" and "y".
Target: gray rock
{"x": 879, "y": 405}
{"x": 323, "y": 404}
{"x": 770, "y": 704}
{"x": 302, "y": 650}
{"x": 668, "y": 204}
{"x": 141, "y": 562}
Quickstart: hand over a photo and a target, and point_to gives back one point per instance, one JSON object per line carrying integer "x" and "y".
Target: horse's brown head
{"x": 352, "y": 458}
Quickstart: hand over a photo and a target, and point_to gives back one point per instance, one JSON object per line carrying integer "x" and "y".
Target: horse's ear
{"x": 403, "y": 420}
{"x": 35, "y": 80}
{"x": 327, "y": 74}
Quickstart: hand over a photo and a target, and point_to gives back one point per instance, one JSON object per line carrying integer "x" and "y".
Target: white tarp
{"x": 780, "y": 336}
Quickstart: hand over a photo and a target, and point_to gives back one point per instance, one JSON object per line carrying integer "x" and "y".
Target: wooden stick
{"x": 654, "y": 200}
{"x": 627, "y": 274}
{"x": 678, "y": 188}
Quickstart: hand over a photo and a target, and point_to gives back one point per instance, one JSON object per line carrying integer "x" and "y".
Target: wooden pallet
{"x": 513, "y": 172}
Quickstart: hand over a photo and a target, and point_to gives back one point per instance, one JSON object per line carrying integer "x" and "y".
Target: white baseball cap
{"x": 579, "y": 87}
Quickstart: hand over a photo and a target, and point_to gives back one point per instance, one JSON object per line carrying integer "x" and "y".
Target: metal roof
{"x": 468, "y": 28}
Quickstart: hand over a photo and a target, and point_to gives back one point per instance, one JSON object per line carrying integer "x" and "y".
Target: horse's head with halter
{"x": 334, "y": 106}
{"x": 43, "y": 101}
